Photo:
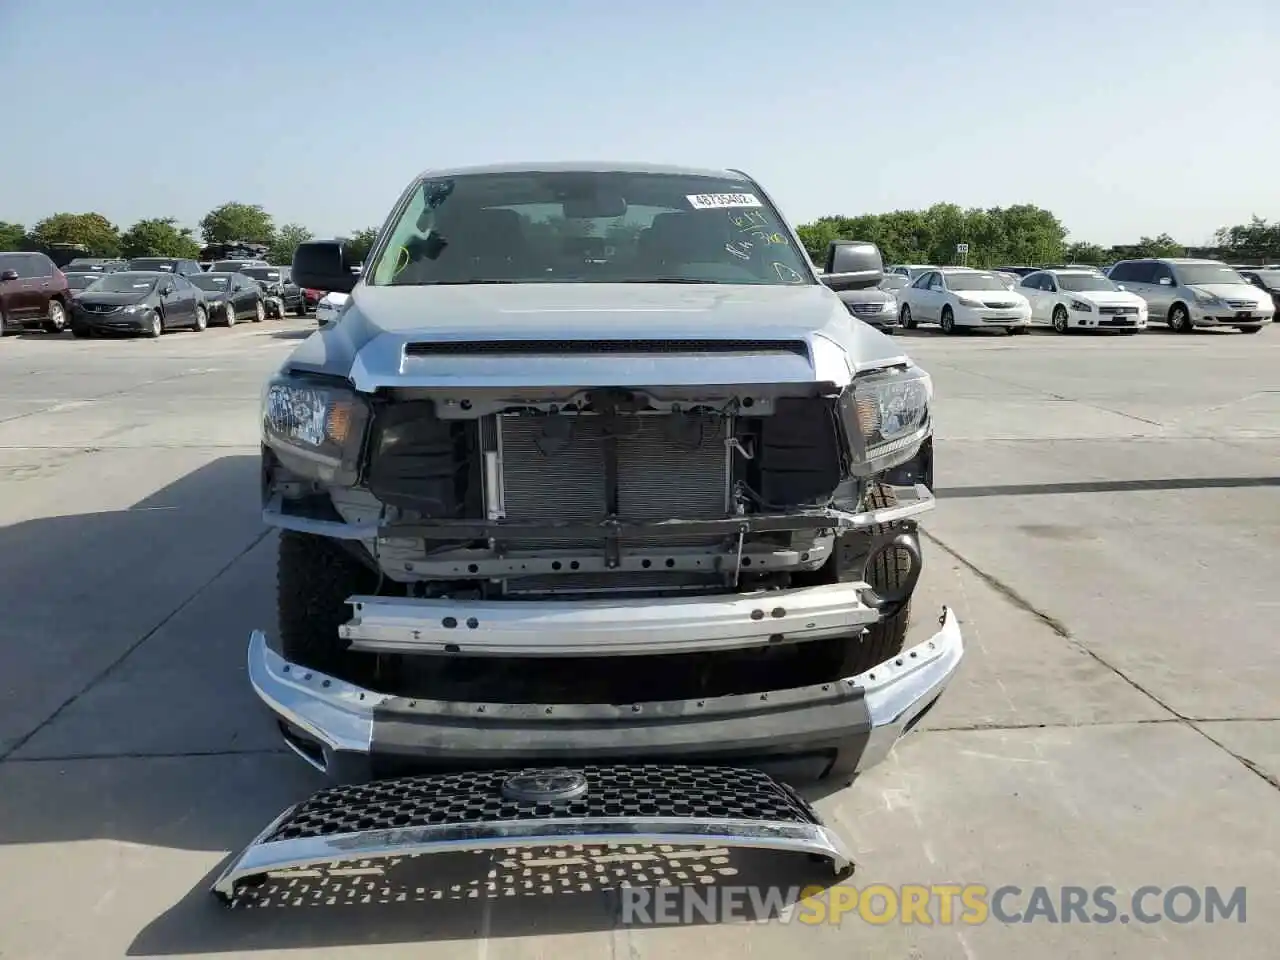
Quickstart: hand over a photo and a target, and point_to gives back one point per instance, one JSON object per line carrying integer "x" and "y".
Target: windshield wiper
{"x": 454, "y": 283}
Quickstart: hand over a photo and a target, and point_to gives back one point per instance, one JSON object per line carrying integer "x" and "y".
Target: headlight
{"x": 1081, "y": 306}
{"x": 1206, "y": 299}
{"x": 136, "y": 308}
{"x": 968, "y": 302}
{"x": 886, "y": 417}
{"x": 889, "y": 306}
{"x": 316, "y": 427}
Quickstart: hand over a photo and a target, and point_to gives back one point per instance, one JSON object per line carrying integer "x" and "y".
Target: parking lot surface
{"x": 1108, "y": 531}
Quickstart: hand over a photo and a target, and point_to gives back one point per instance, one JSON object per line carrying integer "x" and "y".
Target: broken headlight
{"x": 886, "y": 416}
{"x": 315, "y": 426}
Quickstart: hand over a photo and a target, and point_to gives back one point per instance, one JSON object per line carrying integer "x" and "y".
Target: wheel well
{"x": 946, "y": 308}
{"x": 1177, "y": 303}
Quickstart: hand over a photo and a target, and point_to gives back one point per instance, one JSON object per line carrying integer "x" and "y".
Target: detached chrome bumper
{"x": 347, "y": 731}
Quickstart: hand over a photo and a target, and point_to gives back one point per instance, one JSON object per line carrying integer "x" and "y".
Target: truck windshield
{"x": 588, "y": 227}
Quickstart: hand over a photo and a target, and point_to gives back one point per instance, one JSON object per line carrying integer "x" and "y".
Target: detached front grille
{"x": 500, "y": 348}
{"x": 714, "y": 793}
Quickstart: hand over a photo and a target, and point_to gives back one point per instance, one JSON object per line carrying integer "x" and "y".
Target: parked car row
{"x": 1182, "y": 293}
{"x": 146, "y": 295}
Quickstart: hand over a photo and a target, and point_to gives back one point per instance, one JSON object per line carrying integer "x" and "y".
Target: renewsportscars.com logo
{"x": 929, "y": 904}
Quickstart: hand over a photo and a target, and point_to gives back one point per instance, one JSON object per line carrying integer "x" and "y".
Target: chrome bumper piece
{"x": 335, "y": 717}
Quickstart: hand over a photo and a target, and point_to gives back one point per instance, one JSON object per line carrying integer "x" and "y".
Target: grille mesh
{"x": 659, "y": 476}
{"x": 721, "y": 793}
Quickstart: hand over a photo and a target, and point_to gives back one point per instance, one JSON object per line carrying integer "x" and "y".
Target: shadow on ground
{"x": 472, "y": 896}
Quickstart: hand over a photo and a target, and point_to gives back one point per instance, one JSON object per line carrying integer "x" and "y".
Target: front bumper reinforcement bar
{"x": 698, "y": 806}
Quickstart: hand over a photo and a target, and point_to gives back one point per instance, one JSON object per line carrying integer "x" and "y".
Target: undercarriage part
{"x": 721, "y": 807}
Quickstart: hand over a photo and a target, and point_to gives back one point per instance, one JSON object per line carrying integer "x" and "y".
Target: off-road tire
{"x": 314, "y": 578}
{"x": 886, "y": 638}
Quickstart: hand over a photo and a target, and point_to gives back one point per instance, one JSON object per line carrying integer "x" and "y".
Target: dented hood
{"x": 369, "y": 343}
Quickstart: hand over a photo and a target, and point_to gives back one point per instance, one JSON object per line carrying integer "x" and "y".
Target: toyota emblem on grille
{"x": 544, "y": 786}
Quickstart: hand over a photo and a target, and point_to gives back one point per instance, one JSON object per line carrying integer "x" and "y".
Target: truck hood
{"x": 382, "y": 321}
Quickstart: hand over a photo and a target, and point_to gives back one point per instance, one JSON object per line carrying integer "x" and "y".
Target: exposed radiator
{"x": 668, "y": 466}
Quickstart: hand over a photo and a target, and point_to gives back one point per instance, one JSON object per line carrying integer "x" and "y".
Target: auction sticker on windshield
{"x": 722, "y": 201}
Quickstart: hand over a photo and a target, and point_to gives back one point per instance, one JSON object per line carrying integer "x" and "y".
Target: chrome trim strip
{"x": 259, "y": 858}
{"x": 617, "y": 626}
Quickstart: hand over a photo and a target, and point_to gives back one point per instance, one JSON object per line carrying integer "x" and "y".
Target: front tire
{"x": 1061, "y": 323}
{"x": 314, "y": 578}
{"x": 301, "y": 309}
{"x": 948, "y": 321}
{"x": 261, "y": 314}
{"x": 888, "y": 573}
{"x": 229, "y": 315}
{"x": 157, "y": 326}
{"x": 906, "y": 319}
{"x": 57, "y": 321}
{"x": 202, "y": 319}
{"x": 1180, "y": 319}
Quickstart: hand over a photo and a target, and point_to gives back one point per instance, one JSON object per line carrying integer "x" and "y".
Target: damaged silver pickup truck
{"x": 597, "y": 514}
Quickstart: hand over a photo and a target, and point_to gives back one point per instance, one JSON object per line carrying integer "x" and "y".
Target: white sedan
{"x": 329, "y": 307}
{"x": 1082, "y": 300}
{"x": 956, "y": 297}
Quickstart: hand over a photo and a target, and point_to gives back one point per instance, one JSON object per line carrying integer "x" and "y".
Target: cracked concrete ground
{"x": 1107, "y": 532}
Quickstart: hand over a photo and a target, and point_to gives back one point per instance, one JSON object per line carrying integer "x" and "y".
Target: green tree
{"x": 159, "y": 237}
{"x": 361, "y": 242}
{"x": 238, "y": 221}
{"x": 1158, "y": 246}
{"x": 13, "y": 236}
{"x": 1018, "y": 234}
{"x": 286, "y": 241}
{"x": 98, "y": 234}
{"x": 1086, "y": 253}
{"x": 1256, "y": 240}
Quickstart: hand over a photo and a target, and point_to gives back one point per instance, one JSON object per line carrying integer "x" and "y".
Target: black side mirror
{"x": 324, "y": 265}
{"x": 853, "y": 265}
{"x": 6, "y": 275}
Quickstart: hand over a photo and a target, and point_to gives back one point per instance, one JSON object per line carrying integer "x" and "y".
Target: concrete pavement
{"x": 1108, "y": 533}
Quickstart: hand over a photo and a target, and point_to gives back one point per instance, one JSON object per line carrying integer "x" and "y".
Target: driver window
{"x": 922, "y": 281}
{"x": 936, "y": 282}
{"x": 1160, "y": 272}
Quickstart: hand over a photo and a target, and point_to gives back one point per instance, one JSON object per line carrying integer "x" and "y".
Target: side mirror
{"x": 324, "y": 265}
{"x": 7, "y": 275}
{"x": 1120, "y": 286}
{"x": 853, "y": 265}
{"x": 1165, "y": 282}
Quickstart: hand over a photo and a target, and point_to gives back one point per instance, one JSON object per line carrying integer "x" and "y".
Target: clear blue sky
{"x": 1122, "y": 121}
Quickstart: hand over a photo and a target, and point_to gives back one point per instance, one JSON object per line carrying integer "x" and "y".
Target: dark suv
{"x": 178, "y": 265}
{"x": 33, "y": 293}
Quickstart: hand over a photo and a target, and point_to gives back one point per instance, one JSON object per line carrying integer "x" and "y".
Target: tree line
{"x": 1019, "y": 234}
{"x": 165, "y": 237}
